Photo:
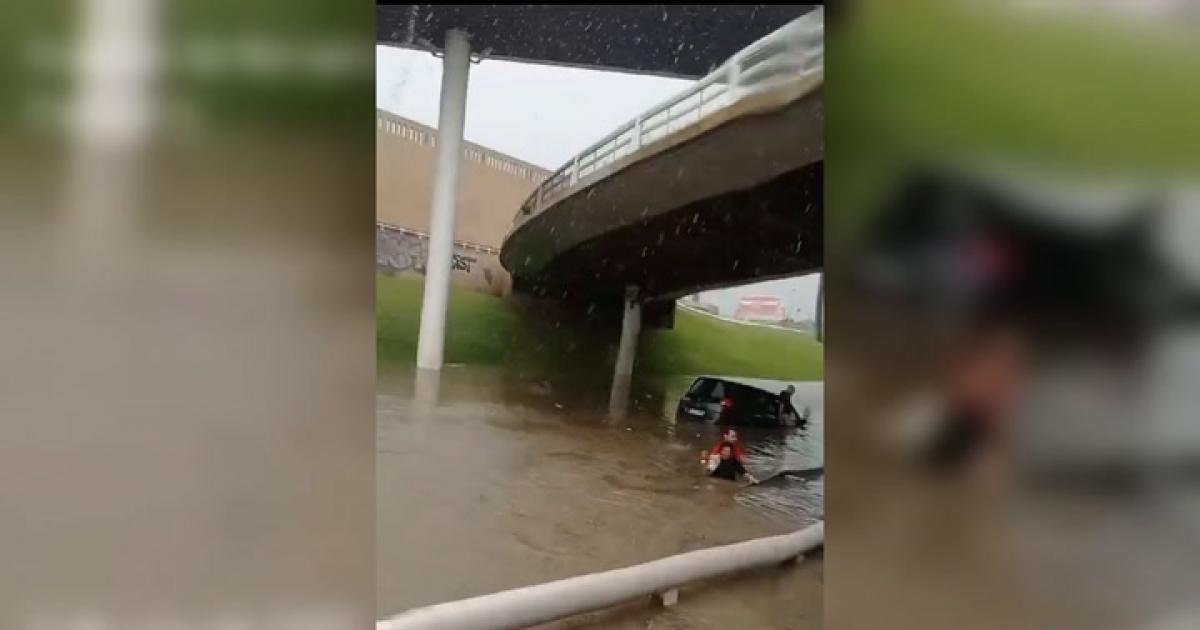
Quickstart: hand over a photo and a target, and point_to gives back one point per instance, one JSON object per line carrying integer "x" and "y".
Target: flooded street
{"x": 497, "y": 481}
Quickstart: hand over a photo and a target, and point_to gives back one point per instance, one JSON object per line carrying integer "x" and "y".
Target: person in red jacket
{"x": 729, "y": 468}
{"x": 728, "y": 437}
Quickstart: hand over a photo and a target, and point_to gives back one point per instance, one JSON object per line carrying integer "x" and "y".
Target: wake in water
{"x": 784, "y": 476}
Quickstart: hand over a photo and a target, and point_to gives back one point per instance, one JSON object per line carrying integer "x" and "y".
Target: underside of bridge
{"x": 684, "y": 41}
{"x": 773, "y": 230}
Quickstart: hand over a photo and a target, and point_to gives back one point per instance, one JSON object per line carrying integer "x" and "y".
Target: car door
{"x": 765, "y": 408}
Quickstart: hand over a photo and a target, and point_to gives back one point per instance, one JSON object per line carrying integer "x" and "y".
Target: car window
{"x": 708, "y": 389}
{"x": 761, "y": 401}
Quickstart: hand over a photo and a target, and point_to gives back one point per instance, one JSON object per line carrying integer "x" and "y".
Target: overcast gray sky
{"x": 538, "y": 113}
{"x": 545, "y": 115}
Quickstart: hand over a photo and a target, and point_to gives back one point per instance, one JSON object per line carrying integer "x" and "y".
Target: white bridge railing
{"x": 792, "y": 54}
{"x": 543, "y": 603}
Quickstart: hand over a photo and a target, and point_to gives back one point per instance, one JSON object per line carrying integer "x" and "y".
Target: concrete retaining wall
{"x": 492, "y": 185}
{"x": 399, "y": 251}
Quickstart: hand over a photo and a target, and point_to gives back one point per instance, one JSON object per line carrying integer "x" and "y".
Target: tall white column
{"x": 456, "y": 66}
{"x": 113, "y": 112}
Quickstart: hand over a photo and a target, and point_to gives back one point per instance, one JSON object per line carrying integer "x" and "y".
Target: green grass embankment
{"x": 478, "y": 331}
{"x": 699, "y": 344}
{"x": 486, "y": 330}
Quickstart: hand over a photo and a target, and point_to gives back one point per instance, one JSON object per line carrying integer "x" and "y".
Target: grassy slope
{"x": 478, "y": 331}
{"x": 703, "y": 345}
{"x": 485, "y": 330}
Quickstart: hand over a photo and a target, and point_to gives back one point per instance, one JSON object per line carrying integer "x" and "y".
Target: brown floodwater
{"x": 488, "y": 481}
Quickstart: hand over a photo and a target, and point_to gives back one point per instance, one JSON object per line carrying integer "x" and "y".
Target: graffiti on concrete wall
{"x": 399, "y": 251}
{"x": 462, "y": 263}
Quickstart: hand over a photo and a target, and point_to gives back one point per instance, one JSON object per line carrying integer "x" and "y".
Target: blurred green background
{"x": 1068, "y": 89}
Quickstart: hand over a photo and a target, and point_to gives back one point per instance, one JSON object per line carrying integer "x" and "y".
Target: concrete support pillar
{"x": 456, "y": 66}
{"x": 113, "y": 114}
{"x": 631, "y": 328}
{"x": 820, "y": 319}
{"x": 427, "y": 389}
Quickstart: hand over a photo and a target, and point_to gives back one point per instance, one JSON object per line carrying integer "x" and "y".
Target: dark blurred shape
{"x": 994, "y": 249}
{"x": 1032, "y": 325}
{"x": 1016, "y": 262}
{"x": 1011, "y": 298}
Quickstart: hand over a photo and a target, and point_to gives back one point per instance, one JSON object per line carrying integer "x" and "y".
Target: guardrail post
{"x": 575, "y": 171}
{"x": 734, "y": 76}
{"x": 637, "y": 133}
{"x": 538, "y": 205}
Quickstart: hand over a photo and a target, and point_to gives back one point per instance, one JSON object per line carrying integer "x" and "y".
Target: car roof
{"x": 734, "y": 381}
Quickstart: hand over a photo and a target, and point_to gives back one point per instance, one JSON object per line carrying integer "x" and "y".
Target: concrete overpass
{"x": 678, "y": 41}
{"x": 719, "y": 185}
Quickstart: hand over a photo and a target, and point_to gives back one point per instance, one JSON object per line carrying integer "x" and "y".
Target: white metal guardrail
{"x": 793, "y": 53}
{"x": 543, "y": 603}
{"x": 468, "y": 245}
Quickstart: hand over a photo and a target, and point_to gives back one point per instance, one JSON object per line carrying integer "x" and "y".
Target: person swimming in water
{"x": 711, "y": 456}
{"x": 729, "y": 467}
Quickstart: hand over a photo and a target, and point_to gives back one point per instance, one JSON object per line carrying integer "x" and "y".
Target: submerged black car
{"x": 722, "y": 401}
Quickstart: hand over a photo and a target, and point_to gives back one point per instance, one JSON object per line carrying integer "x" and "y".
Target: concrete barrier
{"x": 543, "y": 603}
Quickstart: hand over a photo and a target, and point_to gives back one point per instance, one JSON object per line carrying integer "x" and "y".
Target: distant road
{"x": 693, "y": 309}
